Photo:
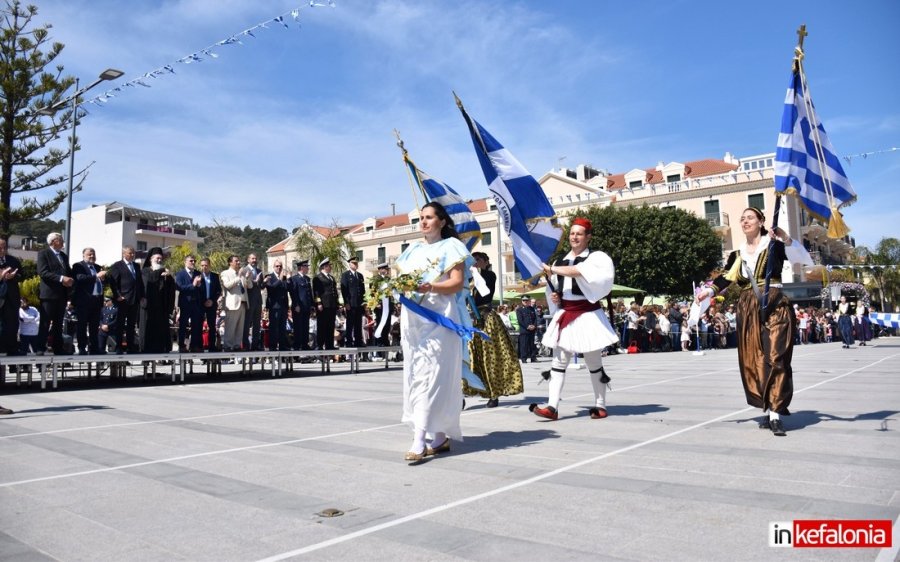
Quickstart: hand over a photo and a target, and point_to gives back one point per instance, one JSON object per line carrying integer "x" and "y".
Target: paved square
{"x": 240, "y": 469}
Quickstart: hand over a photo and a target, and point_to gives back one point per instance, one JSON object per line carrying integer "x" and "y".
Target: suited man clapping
{"x": 190, "y": 312}
{"x": 87, "y": 296}
{"x": 56, "y": 280}
{"x": 127, "y": 287}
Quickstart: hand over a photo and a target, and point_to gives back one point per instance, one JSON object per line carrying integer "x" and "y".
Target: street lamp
{"x": 108, "y": 74}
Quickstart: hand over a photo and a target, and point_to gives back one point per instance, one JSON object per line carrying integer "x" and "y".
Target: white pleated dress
{"x": 433, "y": 354}
{"x": 591, "y": 331}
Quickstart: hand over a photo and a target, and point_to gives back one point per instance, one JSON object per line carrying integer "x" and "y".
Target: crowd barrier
{"x": 51, "y": 367}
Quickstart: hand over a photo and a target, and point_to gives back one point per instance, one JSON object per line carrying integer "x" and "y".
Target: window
{"x": 673, "y": 178}
{"x": 359, "y": 255}
{"x": 711, "y": 208}
{"x": 757, "y": 200}
{"x": 382, "y": 254}
{"x": 403, "y": 247}
{"x": 485, "y": 238}
{"x": 753, "y": 165}
{"x": 669, "y": 208}
{"x": 414, "y": 221}
{"x": 370, "y": 228}
{"x": 769, "y": 163}
{"x": 635, "y": 183}
{"x": 141, "y": 246}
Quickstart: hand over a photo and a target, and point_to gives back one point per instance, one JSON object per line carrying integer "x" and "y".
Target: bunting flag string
{"x": 206, "y": 52}
{"x": 849, "y": 158}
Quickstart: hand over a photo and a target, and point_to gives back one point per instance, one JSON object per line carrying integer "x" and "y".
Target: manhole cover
{"x": 330, "y": 512}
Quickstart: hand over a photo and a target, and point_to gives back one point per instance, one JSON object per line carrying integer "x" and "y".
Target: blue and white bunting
{"x": 209, "y": 52}
{"x": 806, "y": 164}
{"x": 527, "y": 216}
{"x": 463, "y": 218}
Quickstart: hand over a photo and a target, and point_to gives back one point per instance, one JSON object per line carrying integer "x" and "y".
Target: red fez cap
{"x": 584, "y": 223}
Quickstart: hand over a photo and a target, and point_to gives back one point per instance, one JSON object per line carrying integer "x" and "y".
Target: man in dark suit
{"x": 277, "y": 284}
{"x": 527, "y": 317}
{"x": 127, "y": 287}
{"x": 212, "y": 290}
{"x": 9, "y": 309}
{"x": 301, "y": 305}
{"x": 87, "y": 297}
{"x": 253, "y": 320}
{"x": 353, "y": 292}
{"x": 325, "y": 295}
{"x": 190, "y": 313}
{"x": 56, "y": 280}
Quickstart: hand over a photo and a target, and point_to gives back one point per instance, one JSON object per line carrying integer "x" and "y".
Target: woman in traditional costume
{"x": 493, "y": 361}
{"x": 765, "y": 338}
{"x": 433, "y": 353}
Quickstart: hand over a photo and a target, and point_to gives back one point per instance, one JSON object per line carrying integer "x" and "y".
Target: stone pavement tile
{"x": 64, "y": 535}
{"x": 12, "y": 549}
{"x": 246, "y": 503}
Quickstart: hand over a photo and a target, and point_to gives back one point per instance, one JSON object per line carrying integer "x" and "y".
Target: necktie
{"x": 206, "y": 279}
{"x": 98, "y": 286}
{"x": 131, "y": 269}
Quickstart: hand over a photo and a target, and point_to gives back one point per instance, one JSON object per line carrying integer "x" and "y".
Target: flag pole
{"x": 476, "y": 135}
{"x": 764, "y": 298}
{"x": 836, "y": 226}
{"x": 408, "y": 163}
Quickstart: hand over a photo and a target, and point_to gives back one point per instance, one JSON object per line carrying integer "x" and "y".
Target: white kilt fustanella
{"x": 589, "y": 332}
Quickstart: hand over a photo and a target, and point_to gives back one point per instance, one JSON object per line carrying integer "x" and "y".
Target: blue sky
{"x": 296, "y": 125}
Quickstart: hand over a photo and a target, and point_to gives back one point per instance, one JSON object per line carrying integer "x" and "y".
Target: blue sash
{"x": 464, "y": 332}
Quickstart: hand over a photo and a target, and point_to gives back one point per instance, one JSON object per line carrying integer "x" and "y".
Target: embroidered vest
{"x": 576, "y": 290}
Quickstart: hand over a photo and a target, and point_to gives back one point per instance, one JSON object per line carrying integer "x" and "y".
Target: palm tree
{"x": 334, "y": 244}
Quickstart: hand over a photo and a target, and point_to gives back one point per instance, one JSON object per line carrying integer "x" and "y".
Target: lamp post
{"x": 108, "y": 74}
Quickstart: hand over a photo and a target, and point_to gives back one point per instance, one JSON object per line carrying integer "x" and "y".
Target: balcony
{"x": 161, "y": 229}
{"x": 719, "y": 222}
{"x": 388, "y": 232}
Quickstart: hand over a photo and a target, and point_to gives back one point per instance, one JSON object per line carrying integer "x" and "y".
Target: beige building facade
{"x": 716, "y": 189}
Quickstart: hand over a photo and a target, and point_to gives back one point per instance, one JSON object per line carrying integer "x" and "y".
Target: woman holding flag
{"x": 765, "y": 337}
{"x": 432, "y": 346}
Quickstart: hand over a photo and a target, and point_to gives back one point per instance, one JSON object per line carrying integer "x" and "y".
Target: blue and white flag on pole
{"x": 528, "y": 217}
{"x": 463, "y": 218}
{"x": 805, "y": 162}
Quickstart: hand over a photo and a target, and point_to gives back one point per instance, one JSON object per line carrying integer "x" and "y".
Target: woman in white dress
{"x": 433, "y": 353}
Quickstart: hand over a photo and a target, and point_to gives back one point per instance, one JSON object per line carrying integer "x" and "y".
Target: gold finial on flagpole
{"x": 459, "y": 103}
{"x": 801, "y": 34}
{"x": 409, "y": 164}
{"x": 798, "y": 50}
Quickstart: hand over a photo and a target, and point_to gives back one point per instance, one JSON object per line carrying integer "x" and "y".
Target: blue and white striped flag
{"x": 888, "y": 320}
{"x": 805, "y": 162}
{"x": 528, "y": 217}
{"x": 463, "y": 218}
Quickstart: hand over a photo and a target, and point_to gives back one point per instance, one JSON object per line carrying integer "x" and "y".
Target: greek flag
{"x": 805, "y": 162}
{"x": 888, "y": 320}
{"x": 466, "y": 226}
{"x": 528, "y": 217}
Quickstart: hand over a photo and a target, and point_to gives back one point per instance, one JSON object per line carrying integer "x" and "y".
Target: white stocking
{"x": 418, "y": 444}
{"x": 594, "y": 362}
{"x": 561, "y": 360}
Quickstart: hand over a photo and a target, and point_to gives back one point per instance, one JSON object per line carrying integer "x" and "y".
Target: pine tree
{"x": 29, "y": 84}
